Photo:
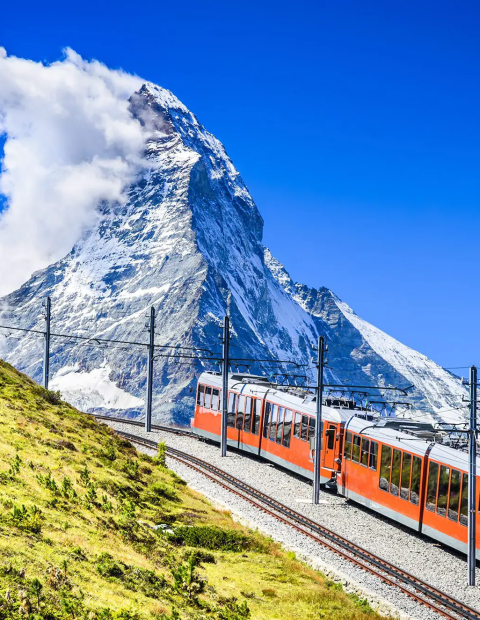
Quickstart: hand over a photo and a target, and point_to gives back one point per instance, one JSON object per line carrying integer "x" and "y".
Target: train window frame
{"x": 457, "y": 511}
{"x": 348, "y": 443}
{"x": 200, "y": 395}
{"x": 247, "y": 419}
{"x": 415, "y": 480}
{"x": 373, "y": 456}
{"x": 267, "y": 417}
{"x": 464, "y": 501}
{"x": 330, "y": 434}
{"x": 273, "y": 423}
{"x": 397, "y": 453}
{"x": 240, "y": 412}
{"x": 311, "y": 428}
{"x": 384, "y": 465}
{"x": 304, "y": 428}
{"x": 232, "y": 409}
{"x": 257, "y": 415}
{"x": 216, "y": 404}
{"x": 208, "y": 395}
{"x": 431, "y": 466}
{"x": 443, "y": 488}
{"x": 280, "y": 420}
{"x": 287, "y": 428}
{"x": 363, "y": 451}
{"x": 405, "y": 455}
{"x": 297, "y": 424}
{"x": 355, "y": 444}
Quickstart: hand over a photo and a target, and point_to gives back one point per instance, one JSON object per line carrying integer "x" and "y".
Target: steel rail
{"x": 157, "y": 427}
{"x": 414, "y": 587}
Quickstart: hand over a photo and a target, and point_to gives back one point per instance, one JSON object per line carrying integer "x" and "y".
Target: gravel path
{"x": 437, "y": 565}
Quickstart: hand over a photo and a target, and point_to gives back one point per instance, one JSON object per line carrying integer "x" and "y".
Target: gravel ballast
{"x": 420, "y": 556}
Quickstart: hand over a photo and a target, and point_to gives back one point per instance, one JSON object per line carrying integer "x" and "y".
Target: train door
{"x": 330, "y": 446}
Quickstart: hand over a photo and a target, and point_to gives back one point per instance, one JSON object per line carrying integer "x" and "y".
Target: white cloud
{"x": 71, "y": 143}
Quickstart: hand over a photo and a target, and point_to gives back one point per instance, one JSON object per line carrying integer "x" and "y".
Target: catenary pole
{"x": 225, "y": 365}
{"x": 46, "y": 354}
{"x": 318, "y": 425}
{"x": 472, "y": 476}
{"x": 151, "y": 349}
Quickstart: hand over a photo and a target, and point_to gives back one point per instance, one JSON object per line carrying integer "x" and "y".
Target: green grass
{"x": 78, "y": 538}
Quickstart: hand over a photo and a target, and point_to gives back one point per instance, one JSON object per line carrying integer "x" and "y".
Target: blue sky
{"x": 354, "y": 124}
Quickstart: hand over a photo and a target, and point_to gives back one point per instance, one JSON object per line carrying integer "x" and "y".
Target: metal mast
{"x": 151, "y": 348}
{"x": 472, "y": 476}
{"x": 225, "y": 365}
{"x": 46, "y": 355}
{"x": 318, "y": 425}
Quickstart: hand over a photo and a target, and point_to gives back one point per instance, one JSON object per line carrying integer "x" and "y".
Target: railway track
{"x": 414, "y": 587}
{"x": 156, "y": 427}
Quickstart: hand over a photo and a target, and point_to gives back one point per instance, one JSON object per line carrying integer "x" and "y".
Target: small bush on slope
{"x": 78, "y": 507}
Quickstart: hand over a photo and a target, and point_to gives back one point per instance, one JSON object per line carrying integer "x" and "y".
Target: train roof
{"x": 388, "y": 434}
{"x": 256, "y": 385}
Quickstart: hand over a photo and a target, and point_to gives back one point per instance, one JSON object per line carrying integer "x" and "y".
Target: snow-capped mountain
{"x": 189, "y": 241}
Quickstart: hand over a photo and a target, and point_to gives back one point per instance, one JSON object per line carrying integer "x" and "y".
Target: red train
{"x": 392, "y": 466}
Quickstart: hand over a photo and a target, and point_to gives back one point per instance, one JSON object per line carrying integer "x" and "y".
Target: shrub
{"x": 27, "y": 520}
{"x": 15, "y": 465}
{"x": 160, "y": 489}
{"x": 186, "y": 580}
{"x": 107, "y": 567}
{"x": 211, "y": 537}
{"x": 161, "y": 458}
{"x": 198, "y": 556}
{"x": 130, "y": 467}
{"x": 48, "y": 482}
{"x": 234, "y": 611}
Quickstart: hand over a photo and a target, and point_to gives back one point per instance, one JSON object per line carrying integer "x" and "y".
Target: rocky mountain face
{"x": 188, "y": 241}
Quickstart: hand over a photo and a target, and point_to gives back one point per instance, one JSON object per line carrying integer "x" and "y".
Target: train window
{"x": 240, "y": 411}
{"x": 215, "y": 399}
{"x": 247, "y": 423}
{"x": 331, "y": 437}
{"x": 304, "y": 428}
{"x": 257, "y": 408}
{"x": 200, "y": 395}
{"x": 373, "y": 455}
{"x": 232, "y": 404}
{"x": 267, "y": 418}
{"x": 443, "y": 490}
{"x": 356, "y": 449}
{"x": 208, "y": 397}
{"x": 464, "y": 501}
{"x": 396, "y": 462}
{"x": 273, "y": 424}
{"x": 432, "y": 486}
{"x": 311, "y": 428}
{"x": 281, "y": 412}
{"x": 287, "y": 428}
{"x": 406, "y": 474}
{"x": 415, "y": 486}
{"x": 347, "y": 453}
{"x": 385, "y": 467}
{"x": 365, "y": 450}
{"x": 296, "y": 426}
{"x": 454, "y": 498}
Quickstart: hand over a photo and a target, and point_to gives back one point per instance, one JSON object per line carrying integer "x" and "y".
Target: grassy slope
{"x": 75, "y": 505}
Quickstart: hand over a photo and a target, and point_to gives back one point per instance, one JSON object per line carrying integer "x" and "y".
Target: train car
{"x": 393, "y": 467}
{"x": 445, "y": 515}
{"x": 420, "y": 484}
{"x": 272, "y": 423}
{"x": 383, "y": 469}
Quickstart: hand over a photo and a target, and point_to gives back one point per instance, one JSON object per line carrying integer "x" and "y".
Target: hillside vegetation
{"x": 89, "y": 528}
